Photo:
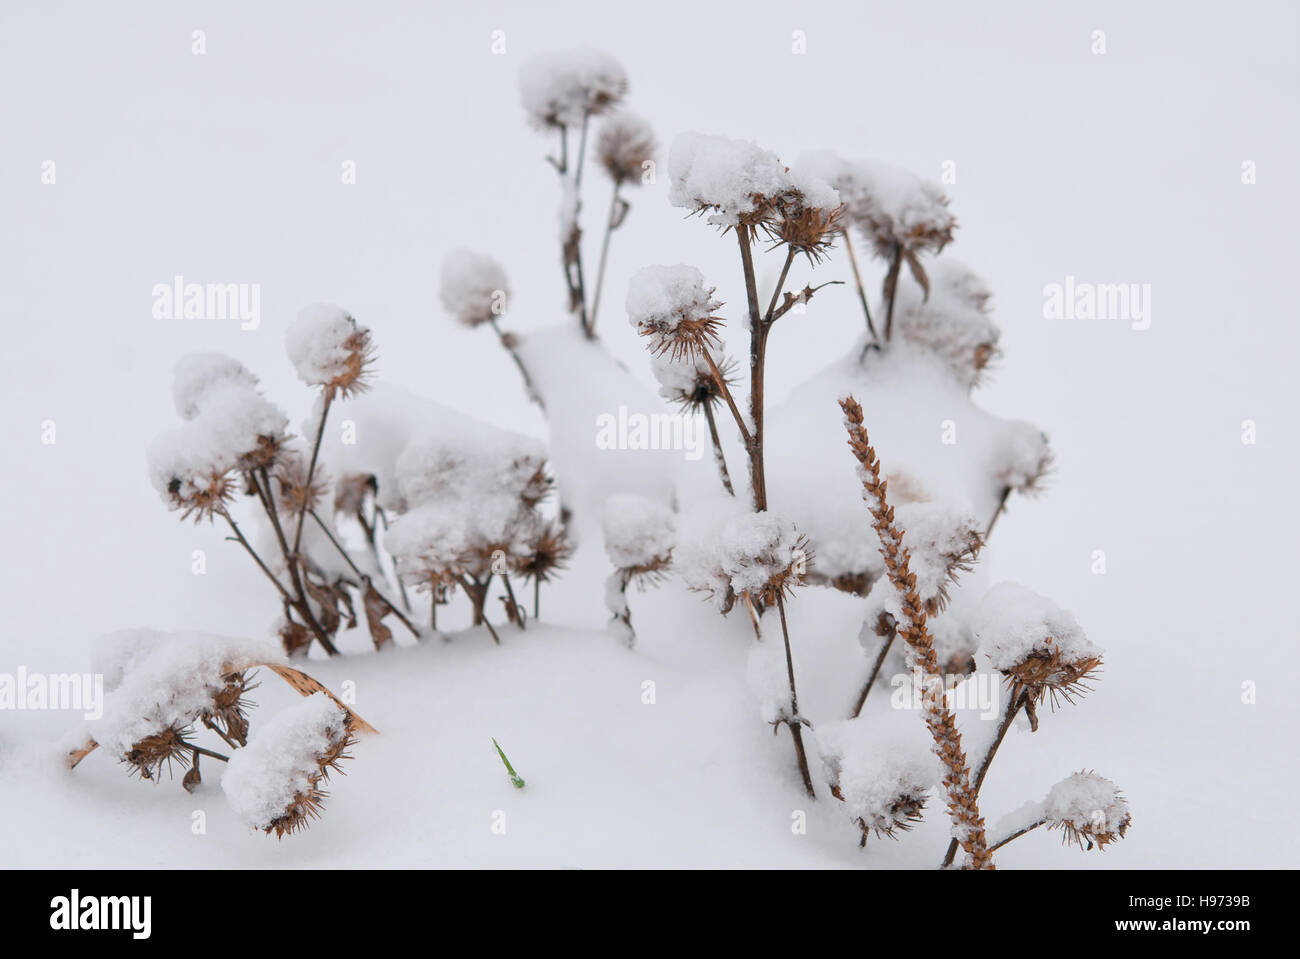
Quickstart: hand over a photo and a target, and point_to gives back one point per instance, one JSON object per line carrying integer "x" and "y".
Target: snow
{"x": 815, "y": 480}
{"x": 1087, "y": 801}
{"x": 889, "y": 204}
{"x": 227, "y": 429}
{"x": 197, "y": 373}
{"x": 952, "y": 322}
{"x": 474, "y": 287}
{"x": 319, "y": 343}
{"x": 734, "y": 177}
{"x": 1013, "y": 623}
{"x": 280, "y": 761}
{"x": 661, "y": 298}
{"x": 875, "y": 763}
{"x": 560, "y": 89}
{"x": 154, "y": 680}
{"x": 638, "y": 531}
{"x": 1135, "y": 417}
{"x": 737, "y": 549}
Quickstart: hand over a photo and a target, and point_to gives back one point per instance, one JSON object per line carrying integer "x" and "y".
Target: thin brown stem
{"x": 518, "y": 615}
{"x": 311, "y": 470}
{"x": 780, "y": 283}
{"x": 796, "y": 722}
{"x": 718, "y": 456}
{"x": 725, "y": 392}
{"x": 604, "y": 255}
{"x": 862, "y": 293}
{"x": 1015, "y": 835}
{"x": 891, "y": 289}
{"x": 875, "y": 670}
{"x": 365, "y": 579}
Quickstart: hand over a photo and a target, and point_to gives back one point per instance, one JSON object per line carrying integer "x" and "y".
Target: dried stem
{"x": 891, "y": 289}
{"x": 968, "y": 824}
{"x": 885, "y": 646}
{"x": 518, "y": 615}
{"x": 862, "y": 294}
{"x": 1018, "y": 698}
{"x": 718, "y": 456}
{"x": 796, "y": 722}
{"x": 1015, "y": 835}
{"x": 365, "y": 580}
{"x": 311, "y": 470}
{"x": 610, "y": 225}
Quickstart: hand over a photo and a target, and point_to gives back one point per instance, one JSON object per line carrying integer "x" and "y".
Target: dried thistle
{"x": 228, "y": 713}
{"x": 150, "y": 755}
{"x": 626, "y": 145}
{"x": 672, "y": 307}
{"x": 963, "y": 808}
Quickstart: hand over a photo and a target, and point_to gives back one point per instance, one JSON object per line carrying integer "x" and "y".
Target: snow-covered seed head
{"x": 951, "y": 320}
{"x": 1036, "y": 645}
{"x": 562, "y": 89}
{"x": 474, "y": 288}
{"x": 689, "y": 382}
{"x": 197, "y": 375}
{"x": 756, "y": 555}
{"x": 898, "y": 816}
{"x": 548, "y": 552}
{"x": 200, "y": 496}
{"x": 150, "y": 755}
{"x": 1025, "y": 458}
{"x": 639, "y": 537}
{"x": 275, "y": 782}
{"x": 230, "y": 706}
{"x": 1088, "y": 809}
{"x": 626, "y": 144}
{"x": 672, "y": 307}
{"x": 806, "y": 229}
{"x": 330, "y": 349}
{"x": 295, "y": 493}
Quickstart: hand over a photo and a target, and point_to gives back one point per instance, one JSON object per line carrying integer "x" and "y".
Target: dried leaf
{"x": 192, "y": 780}
{"x": 918, "y": 272}
{"x": 376, "y": 609}
{"x": 295, "y": 637}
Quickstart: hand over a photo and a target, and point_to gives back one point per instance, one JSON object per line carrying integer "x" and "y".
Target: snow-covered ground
{"x": 227, "y": 167}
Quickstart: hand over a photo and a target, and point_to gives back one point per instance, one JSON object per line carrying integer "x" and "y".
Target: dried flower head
{"x": 805, "y": 228}
{"x": 688, "y": 381}
{"x": 626, "y": 147}
{"x": 672, "y": 306}
{"x": 330, "y": 349}
{"x": 563, "y": 89}
{"x": 950, "y": 319}
{"x": 228, "y": 713}
{"x": 475, "y": 288}
{"x": 756, "y": 555}
{"x": 293, "y": 491}
{"x": 639, "y": 537}
{"x": 547, "y": 552}
{"x": 1088, "y": 809}
{"x": 150, "y": 755}
{"x": 1038, "y": 646}
{"x": 275, "y": 782}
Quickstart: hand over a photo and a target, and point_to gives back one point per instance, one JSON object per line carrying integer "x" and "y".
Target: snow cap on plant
{"x": 672, "y": 306}
{"x": 893, "y": 207}
{"x": 639, "y": 536}
{"x": 475, "y": 288}
{"x": 758, "y": 555}
{"x": 883, "y": 780}
{"x": 233, "y": 427}
{"x": 952, "y": 321}
{"x": 274, "y": 783}
{"x": 562, "y": 89}
{"x": 1035, "y": 644}
{"x": 941, "y": 542}
{"x": 1088, "y": 809}
{"x": 330, "y": 350}
{"x": 688, "y": 381}
{"x": 626, "y": 144}
{"x": 1024, "y": 459}
{"x": 196, "y": 374}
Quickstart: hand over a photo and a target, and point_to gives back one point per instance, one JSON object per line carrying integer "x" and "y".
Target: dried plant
{"x": 963, "y": 809}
